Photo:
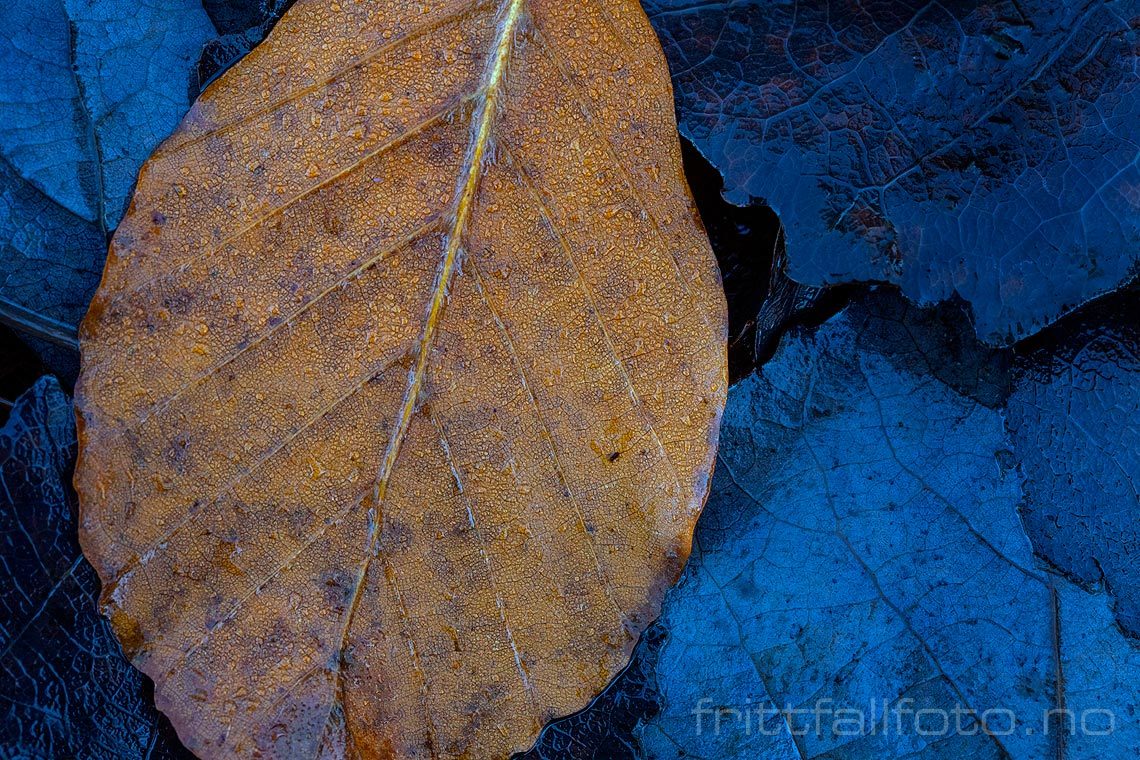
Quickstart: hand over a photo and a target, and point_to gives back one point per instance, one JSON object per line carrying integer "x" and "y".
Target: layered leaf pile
{"x": 402, "y": 386}
{"x": 1074, "y": 418}
{"x": 90, "y": 88}
{"x": 862, "y": 553}
{"x": 83, "y": 102}
{"x": 986, "y": 149}
{"x": 916, "y": 546}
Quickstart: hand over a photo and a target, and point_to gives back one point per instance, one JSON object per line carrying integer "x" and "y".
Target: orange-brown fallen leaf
{"x": 400, "y": 394}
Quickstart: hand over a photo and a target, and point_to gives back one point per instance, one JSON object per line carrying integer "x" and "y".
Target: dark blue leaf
{"x": 747, "y": 242}
{"x": 65, "y": 689}
{"x": 984, "y": 147}
{"x": 1074, "y": 418}
{"x": 51, "y": 260}
{"x": 862, "y": 558}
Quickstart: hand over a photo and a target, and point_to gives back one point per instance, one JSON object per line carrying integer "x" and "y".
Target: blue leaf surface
{"x": 987, "y": 148}
{"x": 1074, "y": 419}
{"x": 50, "y": 260}
{"x": 130, "y": 63}
{"x": 90, "y": 88}
{"x": 66, "y": 691}
{"x": 862, "y": 561}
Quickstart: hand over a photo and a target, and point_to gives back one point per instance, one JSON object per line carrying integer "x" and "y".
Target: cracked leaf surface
{"x": 400, "y": 392}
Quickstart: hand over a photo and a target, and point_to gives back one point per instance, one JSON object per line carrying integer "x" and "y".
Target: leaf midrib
{"x": 469, "y": 176}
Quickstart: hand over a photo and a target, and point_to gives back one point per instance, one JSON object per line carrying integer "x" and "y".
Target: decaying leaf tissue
{"x": 388, "y": 427}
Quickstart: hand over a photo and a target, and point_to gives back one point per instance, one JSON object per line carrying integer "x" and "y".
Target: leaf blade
{"x": 930, "y": 147}
{"x": 456, "y": 377}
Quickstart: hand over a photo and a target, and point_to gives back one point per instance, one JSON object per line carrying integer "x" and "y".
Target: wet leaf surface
{"x": 755, "y": 624}
{"x": 841, "y": 122}
{"x": 67, "y": 691}
{"x": 985, "y": 148}
{"x": 862, "y": 550}
{"x": 414, "y": 483}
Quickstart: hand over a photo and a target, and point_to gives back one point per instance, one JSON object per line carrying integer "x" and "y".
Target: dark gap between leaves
{"x": 763, "y": 304}
{"x": 745, "y": 240}
{"x": 1113, "y": 309}
{"x": 19, "y": 370}
{"x": 241, "y": 25}
{"x": 604, "y": 729}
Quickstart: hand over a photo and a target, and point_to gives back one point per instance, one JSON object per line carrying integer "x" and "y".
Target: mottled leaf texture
{"x": 90, "y": 88}
{"x": 861, "y": 560}
{"x": 1074, "y": 418}
{"x": 65, "y": 688}
{"x": 402, "y": 386}
{"x": 983, "y": 147}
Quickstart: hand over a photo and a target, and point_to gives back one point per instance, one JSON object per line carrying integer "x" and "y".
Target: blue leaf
{"x": 1074, "y": 418}
{"x": 50, "y": 258}
{"x": 861, "y": 560}
{"x": 66, "y": 689}
{"x": 90, "y": 88}
{"x": 986, "y": 148}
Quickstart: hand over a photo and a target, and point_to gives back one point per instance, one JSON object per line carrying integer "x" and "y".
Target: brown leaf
{"x": 401, "y": 391}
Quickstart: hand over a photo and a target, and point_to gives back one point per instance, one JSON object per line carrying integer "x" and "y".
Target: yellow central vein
{"x": 472, "y": 169}
{"x": 490, "y": 102}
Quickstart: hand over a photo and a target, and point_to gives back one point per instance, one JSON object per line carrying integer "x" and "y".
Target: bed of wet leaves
{"x": 928, "y": 224}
